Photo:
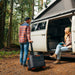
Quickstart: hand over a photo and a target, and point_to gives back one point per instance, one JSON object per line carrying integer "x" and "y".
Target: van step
{"x": 69, "y": 50}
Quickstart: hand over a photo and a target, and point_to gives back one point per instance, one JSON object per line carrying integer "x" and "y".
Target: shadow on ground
{"x": 41, "y": 69}
{"x": 68, "y": 59}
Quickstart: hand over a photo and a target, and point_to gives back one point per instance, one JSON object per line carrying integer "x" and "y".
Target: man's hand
{"x": 30, "y": 41}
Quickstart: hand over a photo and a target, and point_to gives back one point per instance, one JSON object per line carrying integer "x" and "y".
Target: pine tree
{"x": 3, "y": 4}
{"x": 10, "y": 25}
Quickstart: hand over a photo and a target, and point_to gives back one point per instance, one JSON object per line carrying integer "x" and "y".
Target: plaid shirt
{"x": 24, "y": 33}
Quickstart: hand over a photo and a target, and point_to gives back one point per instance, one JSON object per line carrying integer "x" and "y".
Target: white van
{"x": 47, "y": 28}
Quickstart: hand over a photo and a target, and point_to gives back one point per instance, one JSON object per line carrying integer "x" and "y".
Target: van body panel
{"x": 73, "y": 34}
{"x": 39, "y": 40}
{"x": 38, "y": 32}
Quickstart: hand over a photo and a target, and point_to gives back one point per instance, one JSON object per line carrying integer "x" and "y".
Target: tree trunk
{"x": 1, "y": 25}
{"x": 2, "y": 21}
{"x": 41, "y": 3}
{"x": 10, "y": 26}
{"x": 22, "y": 14}
{"x": 46, "y": 1}
{"x": 33, "y": 10}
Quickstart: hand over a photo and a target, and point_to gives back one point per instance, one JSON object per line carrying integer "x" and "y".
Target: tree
{"x": 12, "y": 12}
{"x": 25, "y": 8}
{"x": 33, "y": 9}
{"x": 3, "y": 4}
{"x": 48, "y": 1}
{"x": 10, "y": 25}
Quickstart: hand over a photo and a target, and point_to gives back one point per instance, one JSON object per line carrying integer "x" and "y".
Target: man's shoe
{"x": 21, "y": 64}
{"x": 24, "y": 65}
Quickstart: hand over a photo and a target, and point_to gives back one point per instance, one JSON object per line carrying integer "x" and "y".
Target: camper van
{"x": 47, "y": 28}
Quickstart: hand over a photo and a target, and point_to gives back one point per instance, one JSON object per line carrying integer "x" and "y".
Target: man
{"x": 24, "y": 40}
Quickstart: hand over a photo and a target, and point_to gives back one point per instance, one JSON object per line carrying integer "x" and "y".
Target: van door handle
{"x": 43, "y": 34}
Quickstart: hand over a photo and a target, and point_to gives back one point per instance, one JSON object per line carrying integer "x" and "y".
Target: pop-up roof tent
{"x": 56, "y": 8}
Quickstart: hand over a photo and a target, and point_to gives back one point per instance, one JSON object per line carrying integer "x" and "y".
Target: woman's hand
{"x": 64, "y": 45}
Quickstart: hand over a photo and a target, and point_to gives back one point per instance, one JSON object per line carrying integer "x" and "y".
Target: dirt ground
{"x": 11, "y": 66}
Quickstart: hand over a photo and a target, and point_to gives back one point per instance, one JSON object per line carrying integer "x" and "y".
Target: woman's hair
{"x": 69, "y": 31}
{"x": 69, "y": 28}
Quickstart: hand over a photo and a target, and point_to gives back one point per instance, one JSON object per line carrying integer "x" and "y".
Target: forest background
{"x": 12, "y": 14}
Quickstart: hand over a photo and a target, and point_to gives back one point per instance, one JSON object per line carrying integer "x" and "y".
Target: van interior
{"x": 55, "y": 33}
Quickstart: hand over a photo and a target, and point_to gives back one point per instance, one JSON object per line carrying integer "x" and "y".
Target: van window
{"x": 38, "y": 26}
{"x": 34, "y": 27}
{"x": 41, "y": 26}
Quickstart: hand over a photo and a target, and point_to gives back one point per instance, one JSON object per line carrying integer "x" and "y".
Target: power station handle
{"x": 31, "y": 49}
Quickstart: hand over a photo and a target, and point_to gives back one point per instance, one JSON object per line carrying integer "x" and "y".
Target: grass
{"x": 8, "y": 53}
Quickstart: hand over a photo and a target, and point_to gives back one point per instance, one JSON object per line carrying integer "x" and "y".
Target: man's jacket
{"x": 24, "y": 33}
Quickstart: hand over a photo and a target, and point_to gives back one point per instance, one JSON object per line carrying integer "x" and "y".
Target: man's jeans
{"x": 59, "y": 49}
{"x": 24, "y": 50}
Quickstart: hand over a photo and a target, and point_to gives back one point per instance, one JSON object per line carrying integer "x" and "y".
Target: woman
{"x": 63, "y": 46}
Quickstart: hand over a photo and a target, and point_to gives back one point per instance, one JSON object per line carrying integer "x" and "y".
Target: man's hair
{"x": 27, "y": 18}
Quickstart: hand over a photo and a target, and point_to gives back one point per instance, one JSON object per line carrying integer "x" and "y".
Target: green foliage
{"x": 48, "y": 1}
{"x": 24, "y": 8}
{"x": 21, "y": 9}
{"x": 8, "y": 53}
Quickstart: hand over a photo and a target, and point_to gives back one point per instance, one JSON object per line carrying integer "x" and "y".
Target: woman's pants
{"x": 24, "y": 50}
{"x": 59, "y": 49}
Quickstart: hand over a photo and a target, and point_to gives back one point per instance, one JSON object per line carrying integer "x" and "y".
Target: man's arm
{"x": 19, "y": 33}
{"x": 28, "y": 33}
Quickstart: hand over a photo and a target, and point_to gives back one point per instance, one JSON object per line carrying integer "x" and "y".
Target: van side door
{"x": 38, "y": 35}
